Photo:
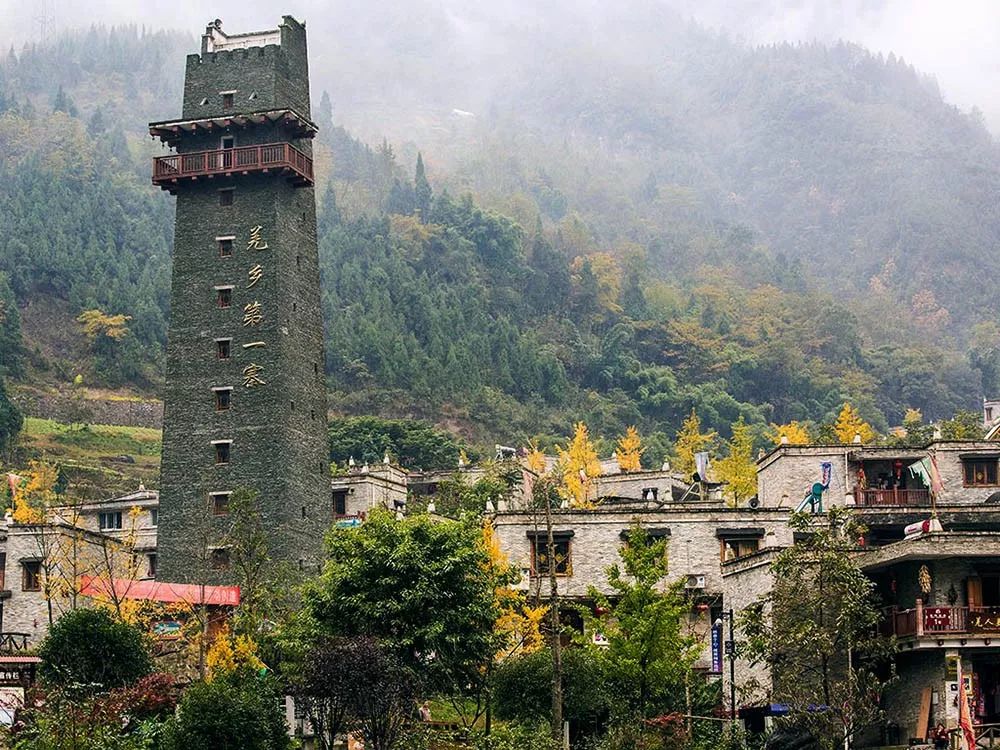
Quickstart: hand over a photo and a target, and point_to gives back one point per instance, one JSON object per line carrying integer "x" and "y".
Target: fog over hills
{"x": 664, "y": 212}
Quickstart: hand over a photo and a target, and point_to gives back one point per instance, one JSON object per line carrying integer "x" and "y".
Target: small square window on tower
{"x": 219, "y": 502}
{"x": 224, "y": 296}
{"x": 228, "y": 99}
{"x": 222, "y": 347}
{"x": 225, "y": 246}
{"x": 223, "y": 398}
{"x": 226, "y": 196}
{"x": 220, "y": 558}
{"x": 222, "y": 449}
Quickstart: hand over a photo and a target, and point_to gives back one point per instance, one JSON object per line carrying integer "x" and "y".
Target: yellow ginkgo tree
{"x": 691, "y": 441}
{"x": 578, "y": 465}
{"x": 849, "y": 424}
{"x": 792, "y": 433}
{"x": 629, "y": 451}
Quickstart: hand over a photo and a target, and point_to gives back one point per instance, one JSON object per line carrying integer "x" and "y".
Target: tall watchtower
{"x": 245, "y": 399}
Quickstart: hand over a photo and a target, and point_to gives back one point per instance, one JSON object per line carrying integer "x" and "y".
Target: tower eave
{"x": 171, "y": 131}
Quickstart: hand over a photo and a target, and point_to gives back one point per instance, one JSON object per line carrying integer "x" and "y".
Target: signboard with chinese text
{"x": 717, "y": 648}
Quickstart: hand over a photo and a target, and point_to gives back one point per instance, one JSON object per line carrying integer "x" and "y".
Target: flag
{"x": 922, "y": 469}
{"x": 964, "y": 717}
{"x": 701, "y": 465}
{"x": 937, "y": 485}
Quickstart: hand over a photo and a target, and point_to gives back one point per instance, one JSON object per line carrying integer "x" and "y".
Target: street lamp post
{"x": 730, "y": 651}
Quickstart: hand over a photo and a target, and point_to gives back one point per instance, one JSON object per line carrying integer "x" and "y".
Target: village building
{"x": 939, "y": 581}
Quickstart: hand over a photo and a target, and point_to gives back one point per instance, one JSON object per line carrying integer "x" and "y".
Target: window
{"x": 298, "y": 262}
{"x": 151, "y": 565}
{"x": 228, "y": 99}
{"x": 340, "y": 502}
{"x": 225, "y": 246}
{"x": 222, "y": 348}
{"x": 561, "y": 549}
{"x": 738, "y": 542}
{"x": 223, "y": 398}
{"x": 303, "y": 511}
{"x": 224, "y": 296}
{"x": 227, "y": 142}
{"x": 226, "y": 197}
{"x": 110, "y": 521}
{"x": 989, "y": 413}
{"x": 222, "y": 451}
{"x": 3, "y": 571}
{"x": 733, "y": 549}
{"x": 220, "y": 558}
{"x": 31, "y": 575}
{"x": 220, "y": 503}
{"x": 980, "y": 472}
{"x": 154, "y": 516}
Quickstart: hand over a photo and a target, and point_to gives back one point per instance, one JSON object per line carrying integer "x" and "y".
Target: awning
{"x": 161, "y": 591}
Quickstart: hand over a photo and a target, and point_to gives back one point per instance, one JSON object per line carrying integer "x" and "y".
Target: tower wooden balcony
{"x": 283, "y": 158}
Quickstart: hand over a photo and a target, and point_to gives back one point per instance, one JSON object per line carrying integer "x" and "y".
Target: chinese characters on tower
{"x": 253, "y": 312}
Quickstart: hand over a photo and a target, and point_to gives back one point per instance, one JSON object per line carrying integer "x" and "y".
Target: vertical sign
{"x": 717, "y": 648}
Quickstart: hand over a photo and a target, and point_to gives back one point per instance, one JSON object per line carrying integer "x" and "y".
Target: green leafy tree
{"x": 649, "y": 654}
{"x": 11, "y": 421}
{"x": 425, "y": 589}
{"x": 267, "y": 590}
{"x": 414, "y": 444}
{"x": 88, "y": 647}
{"x": 965, "y": 425}
{"x": 814, "y": 633}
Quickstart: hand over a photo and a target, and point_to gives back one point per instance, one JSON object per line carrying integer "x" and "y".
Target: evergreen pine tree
{"x": 62, "y": 103}
{"x": 422, "y": 193}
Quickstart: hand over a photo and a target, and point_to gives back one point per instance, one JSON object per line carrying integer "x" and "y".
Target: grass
{"x": 92, "y": 457}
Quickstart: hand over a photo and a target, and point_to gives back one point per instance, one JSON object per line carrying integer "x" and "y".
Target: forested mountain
{"x": 618, "y": 222}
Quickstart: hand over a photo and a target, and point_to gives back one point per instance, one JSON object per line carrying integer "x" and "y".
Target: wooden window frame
{"x": 988, "y": 463}
{"x": 223, "y": 450}
{"x": 223, "y": 398}
{"x": 223, "y": 348}
{"x": 538, "y": 544}
{"x": 35, "y": 577}
{"x": 226, "y": 246}
{"x": 219, "y": 508}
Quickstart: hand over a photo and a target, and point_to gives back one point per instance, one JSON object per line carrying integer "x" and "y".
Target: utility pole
{"x": 554, "y": 625}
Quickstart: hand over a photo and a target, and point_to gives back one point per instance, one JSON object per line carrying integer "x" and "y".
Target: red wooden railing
{"x": 169, "y": 169}
{"x": 924, "y": 620}
{"x": 892, "y": 498}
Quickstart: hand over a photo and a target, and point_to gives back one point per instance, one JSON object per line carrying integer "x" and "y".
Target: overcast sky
{"x": 957, "y": 41}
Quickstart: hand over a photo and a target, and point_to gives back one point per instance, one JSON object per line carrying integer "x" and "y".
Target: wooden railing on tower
{"x": 267, "y": 157}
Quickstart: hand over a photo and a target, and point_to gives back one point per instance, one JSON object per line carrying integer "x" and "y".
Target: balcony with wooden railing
{"x": 924, "y": 621}
{"x": 281, "y": 158}
{"x": 875, "y": 498}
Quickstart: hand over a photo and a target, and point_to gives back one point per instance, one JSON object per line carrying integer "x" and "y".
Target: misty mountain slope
{"x": 661, "y": 219}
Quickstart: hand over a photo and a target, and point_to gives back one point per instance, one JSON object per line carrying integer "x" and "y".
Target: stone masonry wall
{"x": 277, "y": 417}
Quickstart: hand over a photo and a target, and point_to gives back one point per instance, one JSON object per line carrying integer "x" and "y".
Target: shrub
{"x": 90, "y": 650}
{"x": 240, "y": 711}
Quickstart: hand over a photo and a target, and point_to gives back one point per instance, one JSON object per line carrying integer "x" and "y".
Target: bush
{"x": 90, "y": 650}
{"x": 522, "y": 690}
{"x": 241, "y": 711}
{"x": 515, "y": 737}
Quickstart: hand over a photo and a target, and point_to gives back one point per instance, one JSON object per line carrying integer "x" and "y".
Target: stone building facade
{"x": 245, "y": 398}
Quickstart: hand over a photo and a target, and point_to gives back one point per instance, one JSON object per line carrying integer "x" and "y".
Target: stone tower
{"x": 245, "y": 398}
